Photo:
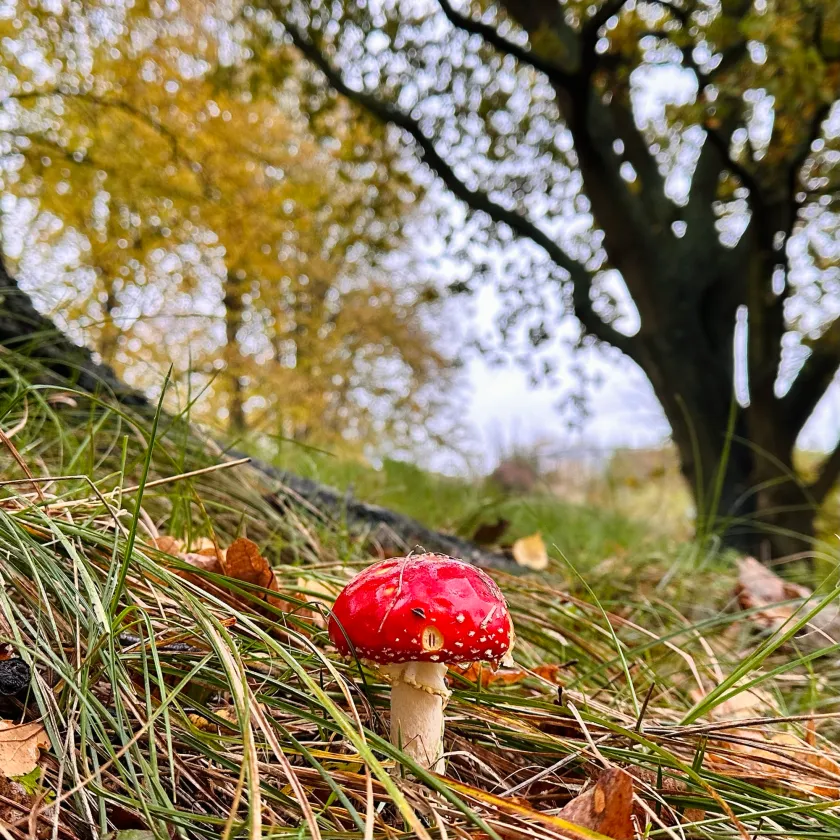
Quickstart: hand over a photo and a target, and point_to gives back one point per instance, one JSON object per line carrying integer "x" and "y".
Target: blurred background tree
{"x": 169, "y": 201}
{"x": 669, "y": 171}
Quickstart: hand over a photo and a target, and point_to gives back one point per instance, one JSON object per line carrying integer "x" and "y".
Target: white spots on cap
{"x": 471, "y": 633}
{"x": 434, "y": 658}
{"x": 489, "y": 651}
{"x": 459, "y": 618}
{"x": 459, "y": 644}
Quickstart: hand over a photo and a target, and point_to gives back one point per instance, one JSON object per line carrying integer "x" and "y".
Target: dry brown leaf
{"x": 607, "y": 807}
{"x": 779, "y": 758}
{"x": 226, "y": 713}
{"x": 803, "y": 753}
{"x": 16, "y": 806}
{"x": 208, "y": 563}
{"x": 244, "y": 562}
{"x": 204, "y": 556}
{"x": 204, "y": 545}
{"x": 169, "y": 544}
{"x": 750, "y": 703}
{"x": 475, "y": 670}
{"x": 664, "y": 785}
{"x": 531, "y": 553}
{"x": 323, "y": 594}
{"x": 549, "y": 672}
{"x": 505, "y": 676}
{"x": 20, "y": 747}
{"x": 760, "y": 588}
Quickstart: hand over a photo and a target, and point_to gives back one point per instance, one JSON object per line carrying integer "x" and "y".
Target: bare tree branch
{"x": 590, "y": 29}
{"x": 491, "y": 35}
{"x": 476, "y": 199}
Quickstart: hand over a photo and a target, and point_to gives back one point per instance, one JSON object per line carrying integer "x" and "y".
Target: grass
{"x": 584, "y": 532}
{"x": 254, "y": 728}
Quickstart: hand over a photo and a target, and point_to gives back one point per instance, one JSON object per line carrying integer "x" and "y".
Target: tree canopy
{"x": 198, "y": 218}
{"x": 669, "y": 171}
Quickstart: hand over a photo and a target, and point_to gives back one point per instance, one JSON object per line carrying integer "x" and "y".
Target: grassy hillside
{"x": 585, "y": 533}
{"x": 183, "y": 701}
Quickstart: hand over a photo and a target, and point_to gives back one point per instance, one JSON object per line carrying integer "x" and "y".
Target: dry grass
{"x": 192, "y": 707}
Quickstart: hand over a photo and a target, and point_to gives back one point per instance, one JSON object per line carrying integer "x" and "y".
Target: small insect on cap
{"x": 425, "y": 608}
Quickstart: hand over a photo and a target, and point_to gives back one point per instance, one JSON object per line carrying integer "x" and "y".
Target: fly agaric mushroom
{"x": 412, "y": 616}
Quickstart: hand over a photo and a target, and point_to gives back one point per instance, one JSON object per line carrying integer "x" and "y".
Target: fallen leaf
{"x": 505, "y": 676}
{"x": 760, "y": 588}
{"x": 530, "y": 552}
{"x": 488, "y": 676}
{"x": 15, "y": 802}
{"x": 558, "y": 824}
{"x": 668, "y": 785}
{"x": 204, "y": 558}
{"x": 244, "y": 562}
{"x": 317, "y": 592}
{"x": 770, "y": 757}
{"x": 169, "y": 545}
{"x": 550, "y": 672}
{"x": 777, "y": 758}
{"x": 226, "y": 713}
{"x": 204, "y": 545}
{"x": 208, "y": 563}
{"x": 20, "y": 746}
{"x": 752, "y": 702}
{"x": 607, "y": 807}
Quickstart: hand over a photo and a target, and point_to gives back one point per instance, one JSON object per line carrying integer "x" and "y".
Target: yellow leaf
{"x": 20, "y": 747}
{"x": 530, "y": 552}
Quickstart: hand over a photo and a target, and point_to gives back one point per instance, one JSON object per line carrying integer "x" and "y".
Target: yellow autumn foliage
{"x": 191, "y": 217}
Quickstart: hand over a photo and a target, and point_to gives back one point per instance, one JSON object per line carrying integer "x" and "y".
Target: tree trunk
{"x": 109, "y": 334}
{"x": 738, "y": 462}
{"x": 233, "y": 303}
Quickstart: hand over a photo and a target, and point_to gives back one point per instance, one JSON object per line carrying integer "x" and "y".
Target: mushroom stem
{"x": 418, "y": 696}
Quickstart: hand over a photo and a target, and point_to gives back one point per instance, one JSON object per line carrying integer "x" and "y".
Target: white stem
{"x": 418, "y": 695}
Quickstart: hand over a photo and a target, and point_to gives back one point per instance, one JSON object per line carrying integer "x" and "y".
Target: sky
{"x": 505, "y": 411}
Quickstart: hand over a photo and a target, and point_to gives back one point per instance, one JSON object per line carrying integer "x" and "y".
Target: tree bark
{"x": 233, "y": 303}
{"x": 109, "y": 333}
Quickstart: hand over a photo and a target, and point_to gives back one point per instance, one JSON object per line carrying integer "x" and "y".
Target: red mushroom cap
{"x": 427, "y": 608}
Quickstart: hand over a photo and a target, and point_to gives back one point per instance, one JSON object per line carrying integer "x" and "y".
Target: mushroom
{"x": 412, "y": 616}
